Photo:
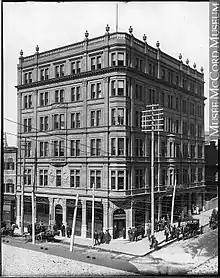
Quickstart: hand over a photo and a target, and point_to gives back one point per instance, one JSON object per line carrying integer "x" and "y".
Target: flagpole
{"x": 117, "y": 17}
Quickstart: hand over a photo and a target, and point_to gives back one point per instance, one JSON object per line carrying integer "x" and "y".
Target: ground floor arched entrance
{"x": 58, "y": 216}
{"x": 119, "y": 224}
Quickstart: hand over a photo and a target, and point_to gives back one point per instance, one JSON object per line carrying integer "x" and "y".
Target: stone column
{"x": 64, "y": 211}
{"x": 110, "y": 223}
{"x": 51, "y": 212}
{"x": 18, "y": 211}
{"x": 190, "y": 204}
{"x": 146, "y": 217}
{"x": 105, "y": 214}
{"x": 159, "y": 208}
{"x": 83, "y": 201}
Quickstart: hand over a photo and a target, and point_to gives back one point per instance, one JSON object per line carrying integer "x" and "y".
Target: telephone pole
{"x": 22, "y": 189}
{"x": 74, "y": 224}
{"x": 151, "y": 122}
{"x": 173, "y": 199}
{"x": 93, "y": 213}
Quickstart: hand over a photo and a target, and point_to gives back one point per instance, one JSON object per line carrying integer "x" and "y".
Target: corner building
{"x": 82, "y": 104}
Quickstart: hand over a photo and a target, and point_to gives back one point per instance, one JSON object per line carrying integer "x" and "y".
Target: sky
{"x": 180, "y": 27}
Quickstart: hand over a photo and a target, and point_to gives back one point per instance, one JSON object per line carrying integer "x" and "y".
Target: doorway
{"x": 58, "y": 216}
{"x": 119, "y": 223}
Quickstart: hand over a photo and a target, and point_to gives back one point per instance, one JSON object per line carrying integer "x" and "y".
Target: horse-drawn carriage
{"x": 8, "y": 229}
{"x": 192, "y": 228}
{"x": 42, "y": 233}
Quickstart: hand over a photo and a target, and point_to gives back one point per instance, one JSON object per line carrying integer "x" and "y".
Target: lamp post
{"x": 151, "y": 122}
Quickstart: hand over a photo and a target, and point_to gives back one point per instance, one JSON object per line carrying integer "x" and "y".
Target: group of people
{"x": 134, "y": 234}
{"x": 102, "y": 237}
{"x": 8, "y": 229}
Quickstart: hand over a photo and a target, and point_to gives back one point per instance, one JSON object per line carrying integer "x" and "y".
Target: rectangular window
{"x": 113, "y": 146}
{"x": 78, "y": 66}
{"x": 74, "y": 178}
{"x": 41, "y": 149}
{"x": 93, "y": 92}
{"x": 46, "y": 98}
{"x": 113, "y": 59}
{"x": 78, "y": 95}
{"x": 92, "y": 118}
{"x": 58, "y": 177}
{"x": 113, "y": 180}
{"x": 192, "y": 151}
{"x": 73, "y": 68}
{"x": 120, "y": 59}
{"x": 99, "y": 90}
{"x": 113, "y": 90}
{"x": 29, "y": 101}
{"x": 29, "y": 125}
{"x": 41, "y": 99}
{"x": 121, "y": 146}
{"x": 92, "y": 147}
{"x": 98, "y": 118}
{"x": 120, "y": 180}
{"x": 61, "y": 148}
{"x": 93, "y": 63}
{"x": 113, "y": 116}
{"x": 120, "y": 87}
{"x": 43, "y": 177}
{"x": 41, "y": 123}
{"x": 98, "y": 147}
{"x": 73, "y": 94}
{"x": 99, "y": 62}
{"x": 177, "y": 104}
{"x": 120, "y": 116}
{"x": 46, "y": 148}
{"x": 25, "y": 102}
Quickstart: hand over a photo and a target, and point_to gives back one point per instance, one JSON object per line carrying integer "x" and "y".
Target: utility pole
{"x": 117, "y": 17}
{"x": 173, "y": 199}
{"x": 151, "y": 122}
{"x": 33, "y": 197}
{"x": 93, "y": 213}
{"x": 22, "y": 191}
{"x": 74, "y": 224}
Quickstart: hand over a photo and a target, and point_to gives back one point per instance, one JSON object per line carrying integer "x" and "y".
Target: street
{"x": 25, "y": 262}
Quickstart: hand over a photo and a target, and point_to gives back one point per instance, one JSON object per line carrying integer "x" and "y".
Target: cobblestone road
{"x": 22, "y": 262}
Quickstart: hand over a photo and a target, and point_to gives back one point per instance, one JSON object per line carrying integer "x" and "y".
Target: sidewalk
{"x": 136, "y": 248}
{"x": 139, "y": 248}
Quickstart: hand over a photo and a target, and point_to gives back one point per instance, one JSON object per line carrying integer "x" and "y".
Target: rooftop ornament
{"x": 107, "y": 28}
{"x": 194, "y": 65}
{"x": 158, "y": 44}
{"x": 144, "y": 38}
{"x": 37, "y": 48}
{"x": 187, "y": 61}
{"x": 130, "y": 30}
{"x": 21, "y": 53}
{"x": 86, "y": 34}
{"x": 180, "y": 57}
{"x": 202, "y": 69}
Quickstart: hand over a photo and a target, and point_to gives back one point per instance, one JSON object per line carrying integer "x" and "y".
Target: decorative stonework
{"x": 65, "y": 176}
{"x": 51, "y": 174}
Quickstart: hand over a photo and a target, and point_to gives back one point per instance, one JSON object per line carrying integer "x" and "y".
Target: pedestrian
{"x": 124, "y": 233}
{"x": 63, "y": 230}
{"x": 96, "y": 238}
{"x": 178, "y": 233}
{"x": 68, "y": 231}
{"x": 107, "y": 237}
{"x": 148, "y": 233}
{"x": 166, "y": 233}
{"x": 135, "y": 234}
{"x": 179, "y": 221}
{"x": 142, "y": 232}
{"x": 101, "y": 237}
{"x": 130, "y": 234}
